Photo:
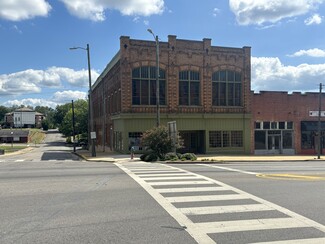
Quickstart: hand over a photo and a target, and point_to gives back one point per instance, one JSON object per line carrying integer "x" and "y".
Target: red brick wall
{"x": 177, "y": 55}
{"x": 281, "y": 106}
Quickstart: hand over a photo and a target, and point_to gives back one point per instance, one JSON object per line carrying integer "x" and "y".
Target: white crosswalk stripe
{"x": 167, "y": 185}
{"x": 225, "y": 209}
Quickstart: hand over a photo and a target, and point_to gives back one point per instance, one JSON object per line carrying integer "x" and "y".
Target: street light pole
{"x": 90, "y": 105}
{"x": 157, "y": 76}
{"x": 319, "y": 121}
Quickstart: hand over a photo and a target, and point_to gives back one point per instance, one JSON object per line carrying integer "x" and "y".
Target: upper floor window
{"x": 189, "y": 88}
{"x": 226, "y": 88}
{"x": 144, "y": 86}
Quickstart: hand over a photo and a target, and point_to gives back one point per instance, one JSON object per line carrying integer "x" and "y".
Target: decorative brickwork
{"x": 114, "y": 86}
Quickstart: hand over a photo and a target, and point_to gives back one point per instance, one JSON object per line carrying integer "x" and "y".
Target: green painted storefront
{"x": 202, "y": 133}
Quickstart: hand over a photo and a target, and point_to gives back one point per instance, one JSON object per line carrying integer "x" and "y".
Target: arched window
{"x": 226, "y": 88}
{"x": 189, "y": 88}
{"x": 144, "y": 86}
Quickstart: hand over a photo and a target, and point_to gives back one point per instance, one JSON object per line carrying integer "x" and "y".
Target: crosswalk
{"x": 30, "y": 160}
{"x": 214, "y": 212}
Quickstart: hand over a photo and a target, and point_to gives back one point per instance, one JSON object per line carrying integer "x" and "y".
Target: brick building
{"x": 285, "y": 123}
{"x": 23, "y": 118}
{"x": 204, "y": 88}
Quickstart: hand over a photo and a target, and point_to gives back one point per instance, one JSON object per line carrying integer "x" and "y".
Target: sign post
{"x": 172, "y": 133}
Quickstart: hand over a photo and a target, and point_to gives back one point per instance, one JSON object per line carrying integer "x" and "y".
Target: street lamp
{"x": 157, "y": 75}
{"x": 91, "y": 133}
{"x": 319, "y": 127}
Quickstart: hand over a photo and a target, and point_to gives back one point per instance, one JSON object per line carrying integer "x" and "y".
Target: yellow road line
{"x": 291, "y": 177}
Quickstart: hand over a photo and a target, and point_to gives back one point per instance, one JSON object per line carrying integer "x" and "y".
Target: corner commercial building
{"x": 204, "y": 88}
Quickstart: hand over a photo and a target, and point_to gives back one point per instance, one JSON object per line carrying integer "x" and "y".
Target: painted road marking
{"x": 225, "y": 209}
{"x": 207, "y": 198}
{"x": 230, "y": 169}
{"x": 291, "y": 177}
{"x": 167, "y": 183}
{"x": 171, "y": 178}
{"x": 248, "y": 225}
{"x": 193, "y": 189}
{"x": 200, "y": 231}
{"x": 272, "y": 176}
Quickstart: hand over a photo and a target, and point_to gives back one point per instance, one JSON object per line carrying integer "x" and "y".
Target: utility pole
{"x": 73, "y": 128}
{"x": 319, "y": 122}
{"x": 157, "y": 77}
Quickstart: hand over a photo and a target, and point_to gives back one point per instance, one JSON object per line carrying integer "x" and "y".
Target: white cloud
{"x": 95, "y": 9}
{"x": 31, "y": 81}
{"x": 57, "y": 99}
{"x": 270, "y": 74}
{"x": 269, "y": 11}
{"x": 316, "y": 19}
{"x": 216, "y": 11}
{"x": 31, "y": 102}
{"x": 66, "y": 96}
{"x": 315, "y": 52}
{"x": 16, "y": 10}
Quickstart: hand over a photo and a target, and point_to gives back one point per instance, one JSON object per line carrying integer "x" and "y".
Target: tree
{"x": 159, "y": 142}
{"x": 3, "y": 111}
{"x": 81, "y": 118}
{"x": 59, "y": 113}
{"x": 48, "y": 112}
{"x": 45, "y": 124}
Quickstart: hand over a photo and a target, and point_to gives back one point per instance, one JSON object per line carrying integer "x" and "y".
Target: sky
{"x": 38, "y": 69}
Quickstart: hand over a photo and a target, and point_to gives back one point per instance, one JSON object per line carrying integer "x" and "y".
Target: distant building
{"x": 285, "y": 123}
{"x": 24, "y": 118}
{"x": 15, "y": 136}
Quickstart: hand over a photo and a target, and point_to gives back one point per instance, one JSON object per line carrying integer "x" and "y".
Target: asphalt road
{"x": 51, "y": 196}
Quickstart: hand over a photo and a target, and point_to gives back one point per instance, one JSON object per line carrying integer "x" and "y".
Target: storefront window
{"x": 287, "y": 140}
{"x": 260, "y": 140}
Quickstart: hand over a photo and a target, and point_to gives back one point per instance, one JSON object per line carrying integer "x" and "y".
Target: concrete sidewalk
{"x": 208, "y": 158}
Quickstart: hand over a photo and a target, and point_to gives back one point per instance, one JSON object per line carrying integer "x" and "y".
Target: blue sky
{"x": 37, "y": 68}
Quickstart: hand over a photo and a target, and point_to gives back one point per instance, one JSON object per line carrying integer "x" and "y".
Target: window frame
{"x": 227, "y": 88}
{"x": 189, "y": 83}
{"x": 145, "y": 76}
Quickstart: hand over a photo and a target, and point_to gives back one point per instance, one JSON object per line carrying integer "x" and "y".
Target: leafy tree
{"x": 3, "y": 111}
{"x": 45, "y": 124}
{"x": 49, "y": 114}
{"x": 60, "y": 112}
{"x": 81, "y": 118}
{"x": 159, "y": 142}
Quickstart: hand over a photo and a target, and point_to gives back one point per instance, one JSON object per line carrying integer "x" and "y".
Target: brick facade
{"x": 281, "y": 106}
{"x": 114, "y": 112}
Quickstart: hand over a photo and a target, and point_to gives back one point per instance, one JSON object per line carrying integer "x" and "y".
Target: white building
{"x": 24, "y": 117}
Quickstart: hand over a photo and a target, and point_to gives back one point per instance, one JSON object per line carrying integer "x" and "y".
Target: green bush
{"x": 68, "y": 140}
{"x": 151, "y": 157}
{"x": 158, "y": 141}
{"x": 171, "y": 156}
{"x": 188, "y": 156}
{"x": 143, "y": 156}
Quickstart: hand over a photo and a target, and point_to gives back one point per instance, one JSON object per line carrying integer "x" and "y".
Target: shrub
{"x": 188, "y": 156}
{"x": 171, "y": 156}
{"x": 68, "y": 140}
{"x": 151, "y": 157}
{"x": 158, "y": 141}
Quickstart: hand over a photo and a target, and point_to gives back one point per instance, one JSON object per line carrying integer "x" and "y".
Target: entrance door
{"x": 193, "y": 141}
{"x": 274, "y": 142}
